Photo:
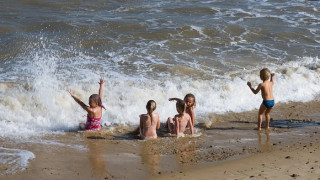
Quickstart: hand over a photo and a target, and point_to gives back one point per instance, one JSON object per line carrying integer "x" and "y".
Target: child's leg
{"x": 170, "y": 124}
{"x": 262, "y": 109}
{"x": 267, "y": 114}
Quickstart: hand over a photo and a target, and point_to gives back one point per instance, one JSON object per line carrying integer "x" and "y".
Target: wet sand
{"x": 227, "y": 148}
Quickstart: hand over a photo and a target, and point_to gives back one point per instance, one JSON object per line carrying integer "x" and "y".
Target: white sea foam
{"x": 14, "y": 159}
{"x": 46, "y": 106}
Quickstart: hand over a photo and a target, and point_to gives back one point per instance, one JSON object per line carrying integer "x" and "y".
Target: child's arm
{"x": 177, "y": 127}
{"x": 255, "y": 91}
{"x": 271, "y": 79}
{"x": 193, "y": 119}
{"x": 141, "y": 124}
{"x": 101, "y": 88}
{"x": 174, "y": 99}
{"x": 158, "y": 124}
{"x": 190, "y": 125}
{"x": 84, "y": 106}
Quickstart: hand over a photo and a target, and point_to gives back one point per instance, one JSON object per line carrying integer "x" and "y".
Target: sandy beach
{"x": 228, "y": 148}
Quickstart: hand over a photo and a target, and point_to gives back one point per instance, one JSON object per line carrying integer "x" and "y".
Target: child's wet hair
{"x": 191, "y": 96}
{"x": 151, "y": 106}
{"x": 95, "y": 98}
{"x": 181, "y": 105}
{"x": 265, "y": 74}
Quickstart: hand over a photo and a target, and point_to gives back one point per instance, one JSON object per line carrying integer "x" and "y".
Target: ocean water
{"x": 149, "y": 50}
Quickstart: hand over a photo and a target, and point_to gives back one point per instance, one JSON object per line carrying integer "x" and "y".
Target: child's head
{"x": 94, "y": 101}
{"x": 151, "y": 106}
{"x": 265, "y": 74}
{"x": 181, "y": 106}
{"x": 190, "y": 100}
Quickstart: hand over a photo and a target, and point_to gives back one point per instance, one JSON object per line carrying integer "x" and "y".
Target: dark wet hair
{"x": 151, "y": 106}
{"x": 181, "y": 105}
{"x": 96, "y": 99}
{"x": 190, "y": 95}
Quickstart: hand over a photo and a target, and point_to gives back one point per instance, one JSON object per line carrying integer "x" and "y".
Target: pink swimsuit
{"x": 93, "y": 124}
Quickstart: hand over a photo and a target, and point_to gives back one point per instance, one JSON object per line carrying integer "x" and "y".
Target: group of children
{"x": 185, "y": 119}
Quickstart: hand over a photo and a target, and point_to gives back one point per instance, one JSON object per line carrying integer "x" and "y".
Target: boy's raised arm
{"x": 101, "y": 88}
{"x": 271, "y": 79}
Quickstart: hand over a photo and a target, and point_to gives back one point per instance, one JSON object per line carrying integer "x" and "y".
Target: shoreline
{"x": 230, "y": 139}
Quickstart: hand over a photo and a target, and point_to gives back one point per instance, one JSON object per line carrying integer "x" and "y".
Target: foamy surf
{"x": 14, "y": 160}
{"x": 44, "y": 106}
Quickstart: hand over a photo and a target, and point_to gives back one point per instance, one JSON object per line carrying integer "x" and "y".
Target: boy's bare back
{"x": 265, "y": 87}
{"x": 266, "y": 90}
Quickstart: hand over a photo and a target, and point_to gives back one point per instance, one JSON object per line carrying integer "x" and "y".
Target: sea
{"x": 149, "y": 50}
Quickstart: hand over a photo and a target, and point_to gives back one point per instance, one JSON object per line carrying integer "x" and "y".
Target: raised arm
{"x": 101, "y": 88}
{"x": 255, "y": 91}
{"x": 271, "y": 79}
{"x": 174, "y": 99}
{"x": 83, "y": 105}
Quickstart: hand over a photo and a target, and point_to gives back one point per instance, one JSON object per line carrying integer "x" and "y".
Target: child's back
{"x": 178, "y": 124}
{"x": 182, "y": 121}
{"x": 149, "y": 128}
{"x": 266, "y": 90}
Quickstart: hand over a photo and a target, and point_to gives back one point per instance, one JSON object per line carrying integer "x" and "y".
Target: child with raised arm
{"x": 94, "y": 109}
{"x": 149, "y": 123}
{"x": 178, "y": 124}
{"x": 190, "y": 101}
{"x": 267, "y": 96}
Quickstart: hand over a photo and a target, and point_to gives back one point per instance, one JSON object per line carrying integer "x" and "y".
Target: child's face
{"x": 189, "y": 101}
{"x": 93, "y": 104}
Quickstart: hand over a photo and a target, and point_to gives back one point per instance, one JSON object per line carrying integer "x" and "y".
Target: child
{"x": 94, "y": 109}
{"x": 178, "y": 124}
{"x": 149, "y": 122}
{"x": 267, "y": 96}
{"x": 190, "y": 100}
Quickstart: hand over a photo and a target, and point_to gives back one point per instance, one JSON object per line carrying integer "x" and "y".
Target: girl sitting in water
{"x": 94, "y": 109}
{"x": 149, "y": 122}
{"x": 178, "y": 124}
{"x": 190, "y": 101}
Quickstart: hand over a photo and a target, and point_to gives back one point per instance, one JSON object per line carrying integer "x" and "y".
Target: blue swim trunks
{"x": 268, "y": 103}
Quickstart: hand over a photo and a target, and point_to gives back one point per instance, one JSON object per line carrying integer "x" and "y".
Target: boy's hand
{"x": 101, "y": 81}
{"x": 249, "y": 84}
{"x": 272, "y": 74}
{"x": 171, "y": 99}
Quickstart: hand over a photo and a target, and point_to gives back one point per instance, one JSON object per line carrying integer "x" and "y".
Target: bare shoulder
{"x": 144, "y": 116}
